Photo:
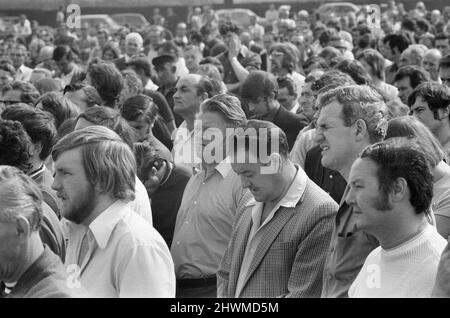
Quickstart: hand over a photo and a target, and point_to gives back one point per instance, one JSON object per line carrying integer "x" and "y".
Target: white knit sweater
{"x": 408, "y": 270}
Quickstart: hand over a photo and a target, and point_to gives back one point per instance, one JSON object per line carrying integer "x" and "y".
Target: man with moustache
{"x": 111, "y": 250}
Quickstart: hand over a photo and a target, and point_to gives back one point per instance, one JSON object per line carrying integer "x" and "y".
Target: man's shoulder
{"x": 319, "y": 199}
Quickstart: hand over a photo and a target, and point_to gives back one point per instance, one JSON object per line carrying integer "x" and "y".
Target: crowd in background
{"x": 101, "y": 177}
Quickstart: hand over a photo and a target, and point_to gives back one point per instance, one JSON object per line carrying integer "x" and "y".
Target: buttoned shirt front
{"x": 257, "y": 233}
{"x": 204, "y": 221}
{"x": 126, "y": 257}
{"x": 185, "y": 148}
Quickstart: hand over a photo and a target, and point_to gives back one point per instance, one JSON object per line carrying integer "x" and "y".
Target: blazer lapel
{"x": 272, "y": 229}
{"x": 243, "y": 231}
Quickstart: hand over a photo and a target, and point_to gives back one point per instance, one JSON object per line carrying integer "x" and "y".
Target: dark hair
{"x": 409, "y": 24}
{"x": 436, "y": 95}
{"x": 108, "y": 82}
{"x": 442, "y": 36}
{"x": 59, "y": 106}
{"x": 290, "y": 56}
{"x": 399, "y": 41}
{"x": 417, "y": 75}
{"x": 141, "y": 64}
{"x": 399, "y": 160}
{"x": 226, "y": 27}
{"x": 63, "y": 51}
{"x": 110, "y": 118}
{"x": 288, "y": 83}
{"x": 111, "y": 47}
{"x": 257, "y": 84}
{"x": 315, "y": 59}
{"x": 139, "y": 106}
{"x": 38, "y": 124}
{"x": 93, "y": 98}
{"x": 423, "y": 24}
{"x": 325, "y": 36}
{"x": 15, "y": 145}
{"x": 445, "y": 61}
{"x": 411, "y": 127}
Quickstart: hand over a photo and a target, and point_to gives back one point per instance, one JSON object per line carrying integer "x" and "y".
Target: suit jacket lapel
{"x": 241, "y": 243}
{"x": 272, "y": 229}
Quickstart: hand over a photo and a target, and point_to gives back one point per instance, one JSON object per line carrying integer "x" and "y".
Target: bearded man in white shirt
{"x": 111, "y": 250}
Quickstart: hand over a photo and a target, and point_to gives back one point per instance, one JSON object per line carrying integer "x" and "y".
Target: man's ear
{"x": 273, "y": 166}
{"x": 399, "y": 189}
{"x": 204, "y": 96}
{"x": 360, "y": 129}
{"x": 444, "y": 113}
{"x": 23, "y": 227}
{"x": 173, "y": 69}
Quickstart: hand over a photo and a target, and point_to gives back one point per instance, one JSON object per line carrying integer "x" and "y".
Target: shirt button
{"x": 178, "y": 242}
{"x": 187, "y": 222}
{"x": 331, "y": 176}
{"x": 195, "y": 202}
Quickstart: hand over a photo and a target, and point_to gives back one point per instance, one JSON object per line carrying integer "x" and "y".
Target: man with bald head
{"x": 133, "y": 47}
{"x": 431, "y": 63}
{"x": 191, "y": 91}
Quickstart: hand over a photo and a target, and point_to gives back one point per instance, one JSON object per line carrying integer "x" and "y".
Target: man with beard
{"x": 112, "y": 249}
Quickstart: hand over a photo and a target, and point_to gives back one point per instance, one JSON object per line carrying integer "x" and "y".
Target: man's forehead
{"x": 362, "y": 168}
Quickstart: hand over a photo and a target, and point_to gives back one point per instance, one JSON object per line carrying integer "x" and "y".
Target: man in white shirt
{"x": 18, "y": 56}
{"x": 390, "y": 190}
{"x": 111, "y": 250}
{"x": 191, "y": 91}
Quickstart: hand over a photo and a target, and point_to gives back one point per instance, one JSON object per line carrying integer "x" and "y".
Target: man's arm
{"x": 146, "y": 271}
{"x": 442, "y": 284}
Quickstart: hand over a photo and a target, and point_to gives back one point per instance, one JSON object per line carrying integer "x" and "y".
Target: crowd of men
{"x": 119, "y": 178}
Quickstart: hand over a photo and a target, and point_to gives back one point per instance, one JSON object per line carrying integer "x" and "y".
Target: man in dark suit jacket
{"x": 260, "y": 90}
{"x": 280, "y": 238}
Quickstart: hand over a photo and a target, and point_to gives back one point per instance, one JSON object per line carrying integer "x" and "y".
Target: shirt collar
{"x": 294, "y": 193}
{"x": 224, "y": 167}
{"x": 295, "y": 108}
{"x": 104, "y": 224}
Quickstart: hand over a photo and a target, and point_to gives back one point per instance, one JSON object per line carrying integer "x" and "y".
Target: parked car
{"x": 239, "y": 16}
{"x": 135, "y": 20}
{"x": 104, "y": 19}
{"x": 336, "y": 9}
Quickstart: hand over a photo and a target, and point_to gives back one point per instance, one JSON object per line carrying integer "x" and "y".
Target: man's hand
{"x": 442, "y": 284}
{"x": 155, "y": 177}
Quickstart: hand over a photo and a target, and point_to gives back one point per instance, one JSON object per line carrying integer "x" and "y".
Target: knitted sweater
{"x": 408, "y": 270}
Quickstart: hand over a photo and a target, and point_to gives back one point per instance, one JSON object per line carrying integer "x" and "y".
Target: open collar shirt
{"x": 204, "y": 221}
{"x": 126, "y": 257}
{"x": 257, "y": 231}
